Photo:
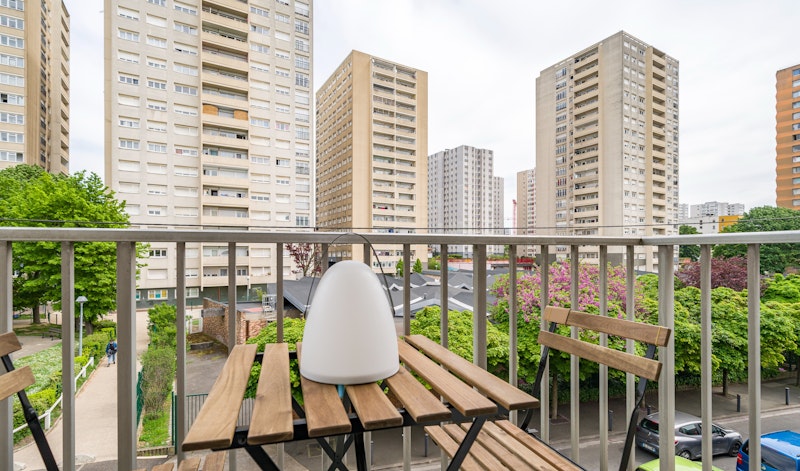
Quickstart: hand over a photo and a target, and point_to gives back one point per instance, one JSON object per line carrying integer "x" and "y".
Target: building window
{"x": 161, "y": 3}
{"x": 11, "y": 99}
{"x": 128, "y": 144}
{"x": 157, "y": 42}
{"x": 157, "y": 84}
{"x": 185, "y": 89}
{"x": 184, "y": 28}
{"x": 158, "y": 253}
{"x": 128, "y": 35}
{"x": 156, "y": 63}
{"x": 18, "y": 5}
{"x": 12, "y": 41}
{"x": 262, "y": 123}
{"x": 128, "y": 79}
{"x": 259, "y": 11}
{"x": 301, "y": 221}
{"x": 185, "y": 8}
{"x": 157, "y": 148}
{"x": 9, "y": 156}
{"x": 185, "y": 69}
{"x": 129, "y": 123}
{"x": 153, "y": 294}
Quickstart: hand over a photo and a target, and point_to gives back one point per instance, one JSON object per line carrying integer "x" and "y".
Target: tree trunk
{"x": 554, "y": 398}
{"x": 37, "y": 318}
{"x": 724, "y": 382}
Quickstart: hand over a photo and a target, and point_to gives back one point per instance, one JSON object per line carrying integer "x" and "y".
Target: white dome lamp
{"x": 349, "y": 337}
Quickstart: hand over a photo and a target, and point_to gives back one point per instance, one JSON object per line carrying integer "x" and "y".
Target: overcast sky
{"x": 483, "y": 57}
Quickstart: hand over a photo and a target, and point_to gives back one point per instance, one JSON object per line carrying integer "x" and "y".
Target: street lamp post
{"x": 81, "y": 300}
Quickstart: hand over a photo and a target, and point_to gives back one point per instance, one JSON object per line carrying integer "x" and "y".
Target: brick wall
{"x": 216, "y": 326}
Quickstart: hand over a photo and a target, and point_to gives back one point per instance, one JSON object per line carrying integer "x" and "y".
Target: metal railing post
{"x": 180, "y": 324}
{"x": 232, "y": 317}
{"x": 604, "y": 415}
{"x": 574, "y": 361}
{"x": 705, "y": 353}
{"x": 68, "y": 353}
{"x": 666, "y": 383}
{"x": 512, "y": 322}
{"x": 479, "y": 306}
{"x": 754, "y": 353}
{"x": 6, "y": 325}
{"x": 630, "y": 311}
{"x": 544, "y": 391}
{"x": 126, "y": 359}
{"x": 444, "y": 288}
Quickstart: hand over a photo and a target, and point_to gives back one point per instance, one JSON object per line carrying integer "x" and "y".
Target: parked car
{"x": 688, "y": 436}
{"x": 681, "y": 464}
{"x": 780, "y": 451}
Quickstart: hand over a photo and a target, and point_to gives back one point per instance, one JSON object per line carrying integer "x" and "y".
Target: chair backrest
{"x": 14, "y": 381}
{"x": 645, "y": 367}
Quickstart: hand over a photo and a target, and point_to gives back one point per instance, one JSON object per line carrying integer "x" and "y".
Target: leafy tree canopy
{"x": 691, "y": 252}
{"x": 727, "y": 272}
{"x": 774, "y": 257}
{"x": 30, "y": 197}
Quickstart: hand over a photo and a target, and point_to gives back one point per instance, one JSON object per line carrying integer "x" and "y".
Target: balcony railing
{"x": 622, "y": 247}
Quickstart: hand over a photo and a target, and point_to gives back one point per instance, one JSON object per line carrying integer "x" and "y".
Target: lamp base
{"x": 349, "y": 379}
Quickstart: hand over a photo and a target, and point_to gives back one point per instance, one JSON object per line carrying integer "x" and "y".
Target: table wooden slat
{"x": 499, "y": 450}
{"x": 189, "y": 464}
{"x": 374, "y": 409}
{"x": 420, "y": 403}
{"x": 271, "y": 421}
{"x": 467, "y": 400}
{"x": 325, "y": 414}
{"x": 449, "y": 447}
{"x": 216, "y": 422}
{"x": 508, "y": 396}
{"x": 477, "y": 451}
{"x": 552, "y": 458}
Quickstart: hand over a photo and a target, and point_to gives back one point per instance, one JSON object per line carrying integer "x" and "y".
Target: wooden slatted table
{"x": 470, "y": 393}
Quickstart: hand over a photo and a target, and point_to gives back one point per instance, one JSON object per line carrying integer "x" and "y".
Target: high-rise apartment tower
{"x": 34, "y": 84}
{"x": 526, "y": 208}
{"x": 208, "y": 124}
{"x": 607, "y": 145}
{"x": 464, "y": 196}
{"x": 787, "y": 137}
{"x": 372, "y": 152}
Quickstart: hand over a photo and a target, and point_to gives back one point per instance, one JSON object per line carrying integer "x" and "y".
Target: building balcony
{"x": 223, "y": 59}
{"x": 241, "y": 125}
{"x": 585, "y": 72}
{"x": 585, "y": 83}
{"x": 664, "y": 247}
{"x": 216, "y": 40}
{"x": 217, "y": 17}
{"x": 235, "y": 5}
{"x": 225, "y": 141}
{"x": 225, "y": 81}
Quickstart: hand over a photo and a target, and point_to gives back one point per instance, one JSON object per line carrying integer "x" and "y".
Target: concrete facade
{"x": 208, "y": 124}
{"x": 787, "y": 137}
{"x": 526, "y": 207}
{"x": 607, "y": 145}
{"x": 34, "y": 84}
{"x": 464, "y": 196}
{"x": 372, "y": 150}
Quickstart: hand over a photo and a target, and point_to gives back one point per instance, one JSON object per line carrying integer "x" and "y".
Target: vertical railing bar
{"x": 368, "y": 254}
{"x": 6, "y": 325}
{"x": 705, "y": 353}
{"x": 323, "y": 259}
{"x": 603, "y": 368}
{"x": 544, "y": 300}
{"x": 512, "y": 321}
{"x": 444, "y": 287}
{"x": 68, "y": 353}
{"x": 407, "y": 331}
{"x": 407, "y": 289}
{"x": 630, "y": 311}
{"x": 754, "y": 353}
{"x": 279, "y": 291}
{"x": 232, "y": 315}
{"x": 180, "y": 325}
{"x": 666, "y": 383}
{"x": 479, "y": 306}
{"x": 574, "y": 361}
{"x": 126, "y": 359}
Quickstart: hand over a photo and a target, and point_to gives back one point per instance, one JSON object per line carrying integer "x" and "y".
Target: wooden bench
{"x": 52, "y": 332}
{"x": 14, "y": 381}
{"x": 503, "y": 445}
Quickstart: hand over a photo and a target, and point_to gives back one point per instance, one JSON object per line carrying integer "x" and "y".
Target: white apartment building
{"x": 716, "y": 208}
{"x": 607, "y": 145}
{"x": 464, "y": 196}
{"x": 208, "y": 124}
{"x": 34, "y": 84}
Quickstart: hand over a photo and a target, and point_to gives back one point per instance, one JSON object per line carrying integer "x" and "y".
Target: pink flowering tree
{"x": 529, "y": 311}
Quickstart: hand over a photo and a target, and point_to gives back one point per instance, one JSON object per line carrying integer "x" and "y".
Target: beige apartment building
{"x": 372, "y": 152}
{"x": 787, "y": 137}
{"x": 607, "y": 145}
{"x": 526, "y": 209}
{"x": 208, "y": 124}
{"x": 34, "y": 84}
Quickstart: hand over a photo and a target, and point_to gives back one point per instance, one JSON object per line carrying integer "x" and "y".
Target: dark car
{"x": 688, "y": 436}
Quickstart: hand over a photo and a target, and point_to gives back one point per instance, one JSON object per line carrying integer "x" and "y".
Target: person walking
{"x": 111, "y": 352}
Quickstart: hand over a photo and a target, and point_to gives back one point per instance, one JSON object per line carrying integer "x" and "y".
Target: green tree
{"x": 417, "y": 266}
{"x": 459, "y": 336}
{"x": 30, "y": 197}
{"x": 691, "y": 252}
{"x": 775, "y": 258}
{"x": 399, "y": 268}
